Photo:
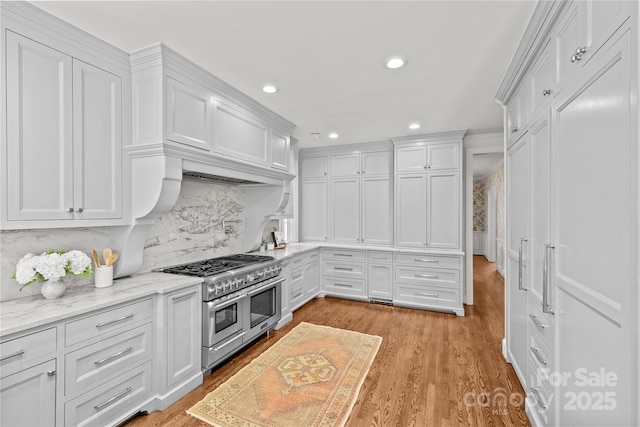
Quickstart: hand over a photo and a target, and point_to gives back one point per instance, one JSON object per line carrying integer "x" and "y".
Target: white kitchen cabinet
{"x": 411, "y": 210}
{"x": 61, "y": 108}
{"x": 189, "y": 114}
{"x": 543, "y": 79}
{"x": 380, "y": 276}
{"x": 376, "y": 163}
{"x": 312, "y": 278}
{"x": 285, "y": 294}
{"x": 376, "y": 211}
{"x": 28, "y": 398}
{"x": 344, "y": 164}
{"x": 183, "y": 335}
{"x": 344, "y": 273}
{"x": 313, "y": 167}
{"x": 422, "y": 157}
{"x": 519, "y": 219}
{"x": 593, "y": 304}
{"x": 313, "y": 210}
{"x": 518, "y": 114}
{"x": 412, "y": 158}
{"x": 344, "y": 210}
{"x": 443, "y": 210}
{"x": 305, "y": 278}
{"x": 581, "y": 258}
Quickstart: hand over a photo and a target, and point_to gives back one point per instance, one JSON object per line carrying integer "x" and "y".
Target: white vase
{"x": 52, "y": 289}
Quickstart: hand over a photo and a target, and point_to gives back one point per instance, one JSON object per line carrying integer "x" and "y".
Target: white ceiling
{"x": 327, "y": 56}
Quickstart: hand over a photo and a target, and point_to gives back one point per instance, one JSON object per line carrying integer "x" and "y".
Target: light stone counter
{"x": 297, "y": 248}
{"x": 25, "y": 313}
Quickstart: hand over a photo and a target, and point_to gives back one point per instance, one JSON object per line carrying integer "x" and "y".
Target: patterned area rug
{"x": 310, "y": 377}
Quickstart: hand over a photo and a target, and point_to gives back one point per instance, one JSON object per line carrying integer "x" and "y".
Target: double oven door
{"x": 230, "y": 323}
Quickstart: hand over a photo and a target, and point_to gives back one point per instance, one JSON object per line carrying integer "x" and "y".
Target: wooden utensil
{"x": 94, "y": 254}
{"x": 113, "y": 259}
{"x": 106, "y": 255}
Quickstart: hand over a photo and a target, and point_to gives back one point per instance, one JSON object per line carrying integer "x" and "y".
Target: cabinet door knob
{"x": 358, "y": 172}
{"x": 514, "y": 130}
{"x": 69, "y": 210}
{"x": 51, "y": 373}
{"x": 363, "y": 172}
{"x": 578, "y": 55}
{"x": 80, "y": 210}
{"x": 546, "y": 92}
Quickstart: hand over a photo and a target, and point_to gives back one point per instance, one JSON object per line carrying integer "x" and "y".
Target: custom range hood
{"x": 188, "y": 124}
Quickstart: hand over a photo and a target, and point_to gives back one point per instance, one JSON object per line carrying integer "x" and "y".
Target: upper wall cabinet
{"x": 313, "y": 167}
{"x": 177, "y": 103}
{"x": 421, "y": 157}
{"x": 64, "y": 136}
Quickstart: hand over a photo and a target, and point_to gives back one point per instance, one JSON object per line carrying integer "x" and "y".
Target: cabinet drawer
{"x": 299, "y": 260}
{"x": 542, "y": 397}
{"x": 539, "y": 354}
{"x": 348, "y": 287}
{"x": 541, "y": 323}
{"x": 297, "y": 295}
{"x": 93, "y": 363}
{"x": 428, "y": 260}
{"x": 313, "y": 256}
{"x": 427, "y": 295}
{"x": 107, "y": 321}
{"x": 428, "y": 276}
{"x": 297, "y": 277}
{"x": 344, "y": 269}
{"x": 343, "y": 255}
{"x": 17, "y": 354}
{"x": 102, "y": 405}
{"x": 380, "y": 257}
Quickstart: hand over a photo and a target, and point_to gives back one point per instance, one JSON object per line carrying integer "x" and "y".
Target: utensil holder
{"x": 103, "y": 276}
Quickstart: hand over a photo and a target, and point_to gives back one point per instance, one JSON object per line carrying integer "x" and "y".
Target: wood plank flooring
{"x": 432, "y": 369}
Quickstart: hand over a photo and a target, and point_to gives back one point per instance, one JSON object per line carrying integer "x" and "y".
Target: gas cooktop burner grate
{"x": 215, "y": 266}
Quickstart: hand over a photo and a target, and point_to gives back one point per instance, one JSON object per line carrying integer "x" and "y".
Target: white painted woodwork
{"x": 411, "y": 210}
{"x": 376, "y": 201}
{"x": 377, "y": 163}
{"x": 97, "y": 142}
{"x": 344, "y": 210}
{"x": 518, "y": 191}
{"x": 380, "y": 280}
{"x": 313, "y": 167}
{"x": 478, "y": 242}
{"x": 312, "y": 279}
{"x": 313, "y": 210}
{"x": 518, "y": 114}
{"x": 39, "y": 131}
{"x": 443, "y": 210}
{"x": 280, "y": 150}
{"x": 412, "y": 158}
{"x": 28, "y": 398}
{"x": 240, "y": 135}
{"x": 344, "y": 164}
{"x": 443, "y": 156}
{"x": 594, "y": 267}
{"x": 543, "y": 79}
{"x": 183, "y": 322}
{"x": 189, "y": 114}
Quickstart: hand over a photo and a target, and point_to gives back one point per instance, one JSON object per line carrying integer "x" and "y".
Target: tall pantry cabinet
{"x": 572, "y": 200}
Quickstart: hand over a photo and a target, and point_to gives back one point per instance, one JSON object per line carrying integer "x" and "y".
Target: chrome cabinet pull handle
{"x": 427, "y": 276}
{"x": 539, "y": 356}
{"x": 120, "y": 319}
{"x": 183, "y": 296}
{"x": 343, "y": 285}
{"x": 113, "y": 399}
{"x": 231, "y": 341}
{"x": 425, "y": 260}
{"x": 547, "y": 306}
{"x": 343, "y": 254}
{"x": 113, "y": 356}
{"x": 520, "y": 281}
{"x": 343, "y": 268}
{"x": 428, "y": 294}
{"x": 535, "y": 391}
{"x": 16, "y": 354}
{"x": 537, "y": 322}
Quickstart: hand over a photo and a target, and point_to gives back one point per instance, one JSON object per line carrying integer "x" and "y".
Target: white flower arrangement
{"x": 51, "y": 265}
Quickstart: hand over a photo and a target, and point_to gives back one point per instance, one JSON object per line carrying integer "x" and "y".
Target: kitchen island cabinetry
{"x": 62, "y": 107}
{"x": 425, "y": 280}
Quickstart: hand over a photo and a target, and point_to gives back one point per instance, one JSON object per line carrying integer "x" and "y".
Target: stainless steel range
{"x": 241, "y": 296}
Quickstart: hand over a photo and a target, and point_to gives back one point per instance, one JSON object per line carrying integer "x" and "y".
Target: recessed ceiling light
{"x": 269, "y": 89}
{"x": 333, "y": 135}
{"x": 414, "y": 126}
{"x": 395, "y": 62}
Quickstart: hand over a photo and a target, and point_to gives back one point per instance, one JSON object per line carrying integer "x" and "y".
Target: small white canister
{"x": 103, "y": 276}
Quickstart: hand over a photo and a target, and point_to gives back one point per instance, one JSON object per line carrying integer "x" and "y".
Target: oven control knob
{"x": 260, "y": 273}
{"x": 218, "y": 289}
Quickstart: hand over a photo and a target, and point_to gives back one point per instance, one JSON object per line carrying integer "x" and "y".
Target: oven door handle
{"x": 268, "y": 285}
{"x": 217, "y": 305}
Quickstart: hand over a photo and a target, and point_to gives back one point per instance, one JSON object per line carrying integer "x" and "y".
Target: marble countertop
{"x": 296, "y": 248}
{"x": 25, "y": 313}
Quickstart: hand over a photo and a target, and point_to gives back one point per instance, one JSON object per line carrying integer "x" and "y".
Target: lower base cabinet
{"x": 28, "y": 398}
{"x": 304, "y": 279}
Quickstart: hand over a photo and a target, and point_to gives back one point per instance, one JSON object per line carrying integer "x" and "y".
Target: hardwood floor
{"x": 432, "y": 369}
